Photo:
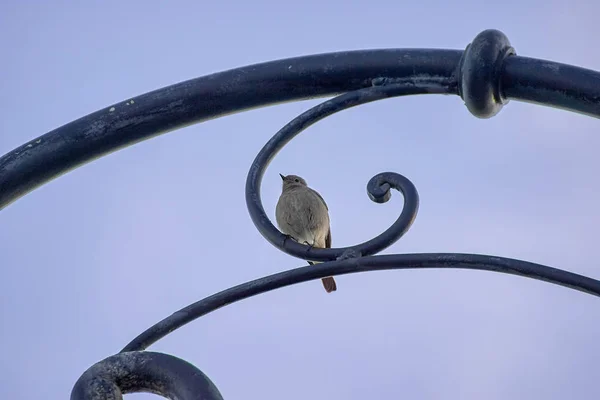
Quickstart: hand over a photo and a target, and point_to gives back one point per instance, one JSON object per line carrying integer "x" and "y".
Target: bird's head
{"x": 291, "y": 181}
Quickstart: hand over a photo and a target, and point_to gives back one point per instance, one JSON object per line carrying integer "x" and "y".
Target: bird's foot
{"x": 310, "y": 246}
{"x": 286, "y": 238}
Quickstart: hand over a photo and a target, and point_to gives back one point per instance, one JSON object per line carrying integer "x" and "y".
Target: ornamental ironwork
{"x": 486, "y": 75}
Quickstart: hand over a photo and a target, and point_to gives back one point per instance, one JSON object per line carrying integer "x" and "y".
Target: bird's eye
{"x": 296, "y": 180}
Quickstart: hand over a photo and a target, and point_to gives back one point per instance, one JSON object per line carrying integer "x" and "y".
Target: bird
{"x": 303, "y": 215}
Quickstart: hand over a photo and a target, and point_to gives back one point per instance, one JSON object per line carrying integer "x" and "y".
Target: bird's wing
{"x": 320, "y": 197}
{"x": 328, "y": 239}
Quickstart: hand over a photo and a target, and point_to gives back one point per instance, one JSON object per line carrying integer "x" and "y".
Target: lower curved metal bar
{"x": 362, "y": 264}
{"x": 142, "y": 371}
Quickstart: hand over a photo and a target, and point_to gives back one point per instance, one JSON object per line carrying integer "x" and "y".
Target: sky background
{"x": 92, "y": 259}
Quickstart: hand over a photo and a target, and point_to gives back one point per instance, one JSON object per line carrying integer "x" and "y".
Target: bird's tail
{"x": 328, "y": 283}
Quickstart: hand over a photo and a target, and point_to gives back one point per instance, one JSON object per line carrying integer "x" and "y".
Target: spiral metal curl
{"x": 378, "y": 187}
{"x": 486, "y": 76}
{"x": 351, "y": 259}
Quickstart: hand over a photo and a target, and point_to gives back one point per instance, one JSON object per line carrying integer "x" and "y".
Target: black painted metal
{"x": 486, "y": 75}
{"x": 361, "y": 264}
{"x": 481, "y": 69}
{"x": 144, "y": 371}
{"x": 142, "y": 117}
{"x": 375, "y": 190}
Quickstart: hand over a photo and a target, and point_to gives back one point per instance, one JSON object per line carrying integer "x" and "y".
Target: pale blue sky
{"x": 95, "y": 257}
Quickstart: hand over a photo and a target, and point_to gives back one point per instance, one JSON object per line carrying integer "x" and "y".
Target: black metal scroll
{"x": 144, "y": 371}
{"x": 486, "y": 75}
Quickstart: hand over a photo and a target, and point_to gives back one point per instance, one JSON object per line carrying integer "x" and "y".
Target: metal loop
{"x": 378, "y": 187}
{"x": 141, "y": 371}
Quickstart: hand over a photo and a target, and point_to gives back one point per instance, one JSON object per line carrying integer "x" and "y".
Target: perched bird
{"x": 302, "y": 214}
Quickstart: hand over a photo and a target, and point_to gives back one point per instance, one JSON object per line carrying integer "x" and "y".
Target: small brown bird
{"x": 302, "y": 214}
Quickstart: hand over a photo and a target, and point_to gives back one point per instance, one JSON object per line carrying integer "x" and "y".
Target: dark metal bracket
{"x": 486, "y": 76}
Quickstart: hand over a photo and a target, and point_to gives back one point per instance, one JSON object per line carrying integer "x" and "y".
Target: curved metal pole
{"x": 142, "y": 117}
{"x": 355, "y": 265}
{"x": 197, "y": 100}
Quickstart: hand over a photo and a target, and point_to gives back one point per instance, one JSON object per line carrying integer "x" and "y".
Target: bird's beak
{"x": 282, "y": 177}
